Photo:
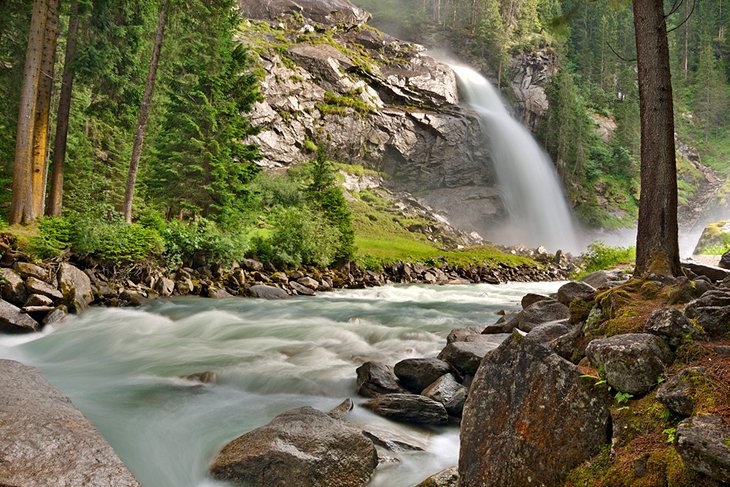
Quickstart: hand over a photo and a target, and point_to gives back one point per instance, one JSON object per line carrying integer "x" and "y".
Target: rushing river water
{"x": 121, "y": 368}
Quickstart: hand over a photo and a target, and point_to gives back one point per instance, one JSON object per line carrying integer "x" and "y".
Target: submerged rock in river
{"x": 45, "y": 440}
{"x": 303, "y": 447}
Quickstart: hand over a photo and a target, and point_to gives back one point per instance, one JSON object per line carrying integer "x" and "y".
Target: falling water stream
{"x": 121, "y": 367}
{"x": 531, "y": 189}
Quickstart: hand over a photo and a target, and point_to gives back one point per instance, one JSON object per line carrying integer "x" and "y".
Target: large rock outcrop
{"x": 529, "y": 418}
{"x": 370, "y": 99}
{"x": 303, "y": 447}
{"x": 45, "y": 440}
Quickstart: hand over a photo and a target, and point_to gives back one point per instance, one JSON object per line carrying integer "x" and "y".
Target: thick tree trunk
{"x": 657, "y": 247}
{"x": 55, "y": 197}
{"x": 43, "y": 108}
{"x": 21, "y": 207}
{"x": 144, "y": 113}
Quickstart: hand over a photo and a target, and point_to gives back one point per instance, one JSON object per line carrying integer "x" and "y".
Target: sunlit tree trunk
{"x": 21, "y": 207}
{"x": 657, "y": 247}
{"x": 144, "y": 113}
{"x": 43, "y": 108}
{"x": 55, "y": 197}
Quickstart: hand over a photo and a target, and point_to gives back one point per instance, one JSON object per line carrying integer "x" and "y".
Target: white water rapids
{"x": 121, "y": 368}
{"x": 531, "y": 189}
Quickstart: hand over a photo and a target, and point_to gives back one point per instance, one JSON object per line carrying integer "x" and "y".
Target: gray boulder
{"x": 301, "y": 289}
{"x": 465, "y": 357}
{"x": 532, "y": 298}
{"x": 302, "y": 446}
{"x": 38, "y": 300}
{"x": 725, "y": 260}
{"x": 267, "y": 292}
{"x": 376, "y": 378}
{"x": 702, "y": 442}
{"x": 342, "y": 409}
{"x": 418, "y": 373}
{"x": 408, "y": 408}
{"x": 529, "y": 418}
{"x": 575, "y": 290}
{"x": 461, "y": 334}
{"x": 36, "y": 286}
{"x": 448, "y": 477}
{"x": 670, "y": 324}
{"x": 505, "y": 324}
{"x": 165, "y": 286}
{"x": 677, "y": 392}
{"x": 712, "y": 312}
{"x": 633, "y": 362}
{"x": 13, "y": 320}
{"x": 711, "y": 272}
{"x": 548, "y": 332}
{"x": 75, "y": 286}
{"x": 447, "y": 390}
{"x": 542, "y": 312}
{"x": 604, "y": 279}
{"x": 12, "y": 288}
{"x": 56, "y": 315}
{"x": 26, "y": 269}
{"x": 45, "y": 440}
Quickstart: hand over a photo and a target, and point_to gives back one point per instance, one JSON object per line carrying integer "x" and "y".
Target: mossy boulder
{"x": 715, "y": 239}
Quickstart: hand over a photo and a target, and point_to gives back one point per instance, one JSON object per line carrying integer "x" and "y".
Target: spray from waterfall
{"x": 532, "y": 193}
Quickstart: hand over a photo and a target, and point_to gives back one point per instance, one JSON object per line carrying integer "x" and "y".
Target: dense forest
{"x": 149, "y": 104}
{"x": 138, "y": 114}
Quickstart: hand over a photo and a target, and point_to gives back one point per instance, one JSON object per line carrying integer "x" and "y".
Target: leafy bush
{"x": 600, "y": 256}
{"x": 186, "y": 242}
{"x": 298, "y": 236}
{"x": 114, "y": 241}
{"x": 54, "y": 236}
{"x": 273, "y": 190}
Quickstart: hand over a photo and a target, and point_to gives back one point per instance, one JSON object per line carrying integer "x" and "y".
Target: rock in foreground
{"x": 529, "y": 418}
{"x": 303, "y": 447}
{"x": 45, "y": 440}
{"x": 702, "y": 441}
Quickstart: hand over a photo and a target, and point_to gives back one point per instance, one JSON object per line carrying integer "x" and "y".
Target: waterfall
{"x": 531, "y": 189}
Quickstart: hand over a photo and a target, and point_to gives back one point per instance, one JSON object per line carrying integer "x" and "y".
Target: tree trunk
{"x": 686, "y": 40}
{"x": 657, "y": 247}
{"x": 21, "y": 207}
{"x": 43, "y": 108}
{"x": 144, "y": 113}
{"x": 55, "y": 197}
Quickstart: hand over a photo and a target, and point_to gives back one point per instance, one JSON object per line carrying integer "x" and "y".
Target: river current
{"x": 122, "y": 368}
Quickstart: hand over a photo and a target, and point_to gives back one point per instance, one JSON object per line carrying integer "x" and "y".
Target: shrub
{"x": 114, "y": 241}
{"x": 54, "y": 236}
{"x": 298, "y": 236}
{"x": 600, "y": 256}
{"x": 202, "y": 239}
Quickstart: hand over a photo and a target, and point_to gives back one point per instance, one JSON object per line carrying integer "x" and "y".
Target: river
{"x": 121, "y": 367}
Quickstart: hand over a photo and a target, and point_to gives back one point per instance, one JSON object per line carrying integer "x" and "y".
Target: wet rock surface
{"x": 45, "y": 440}
{"x": 376, "y": 378}
{"x": 529, "y": 418}
{"x": 303, "y": 445}
{"x": 408, "y": 408}
{"x": 418, "y": 373}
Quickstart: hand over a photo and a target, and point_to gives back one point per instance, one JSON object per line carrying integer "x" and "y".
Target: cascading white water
{"x": 531, "y": 190}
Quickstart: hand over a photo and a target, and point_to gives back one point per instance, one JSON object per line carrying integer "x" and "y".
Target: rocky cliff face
{"x": 370, "y": 99}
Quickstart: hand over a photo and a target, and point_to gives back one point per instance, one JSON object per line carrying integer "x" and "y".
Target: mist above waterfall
{"x": 530, "y": 187}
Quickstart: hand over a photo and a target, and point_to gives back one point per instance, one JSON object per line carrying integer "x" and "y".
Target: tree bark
{"x": 43, "y": 108}
{"x": 144, "y": 113}
{"x": 657, "y": 246}
{"x": 55, "y": 197}
{"x": 21, "y": 206}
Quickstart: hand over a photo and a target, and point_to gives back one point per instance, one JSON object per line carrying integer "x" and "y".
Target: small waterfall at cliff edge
{"x": 531, "y": 190}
